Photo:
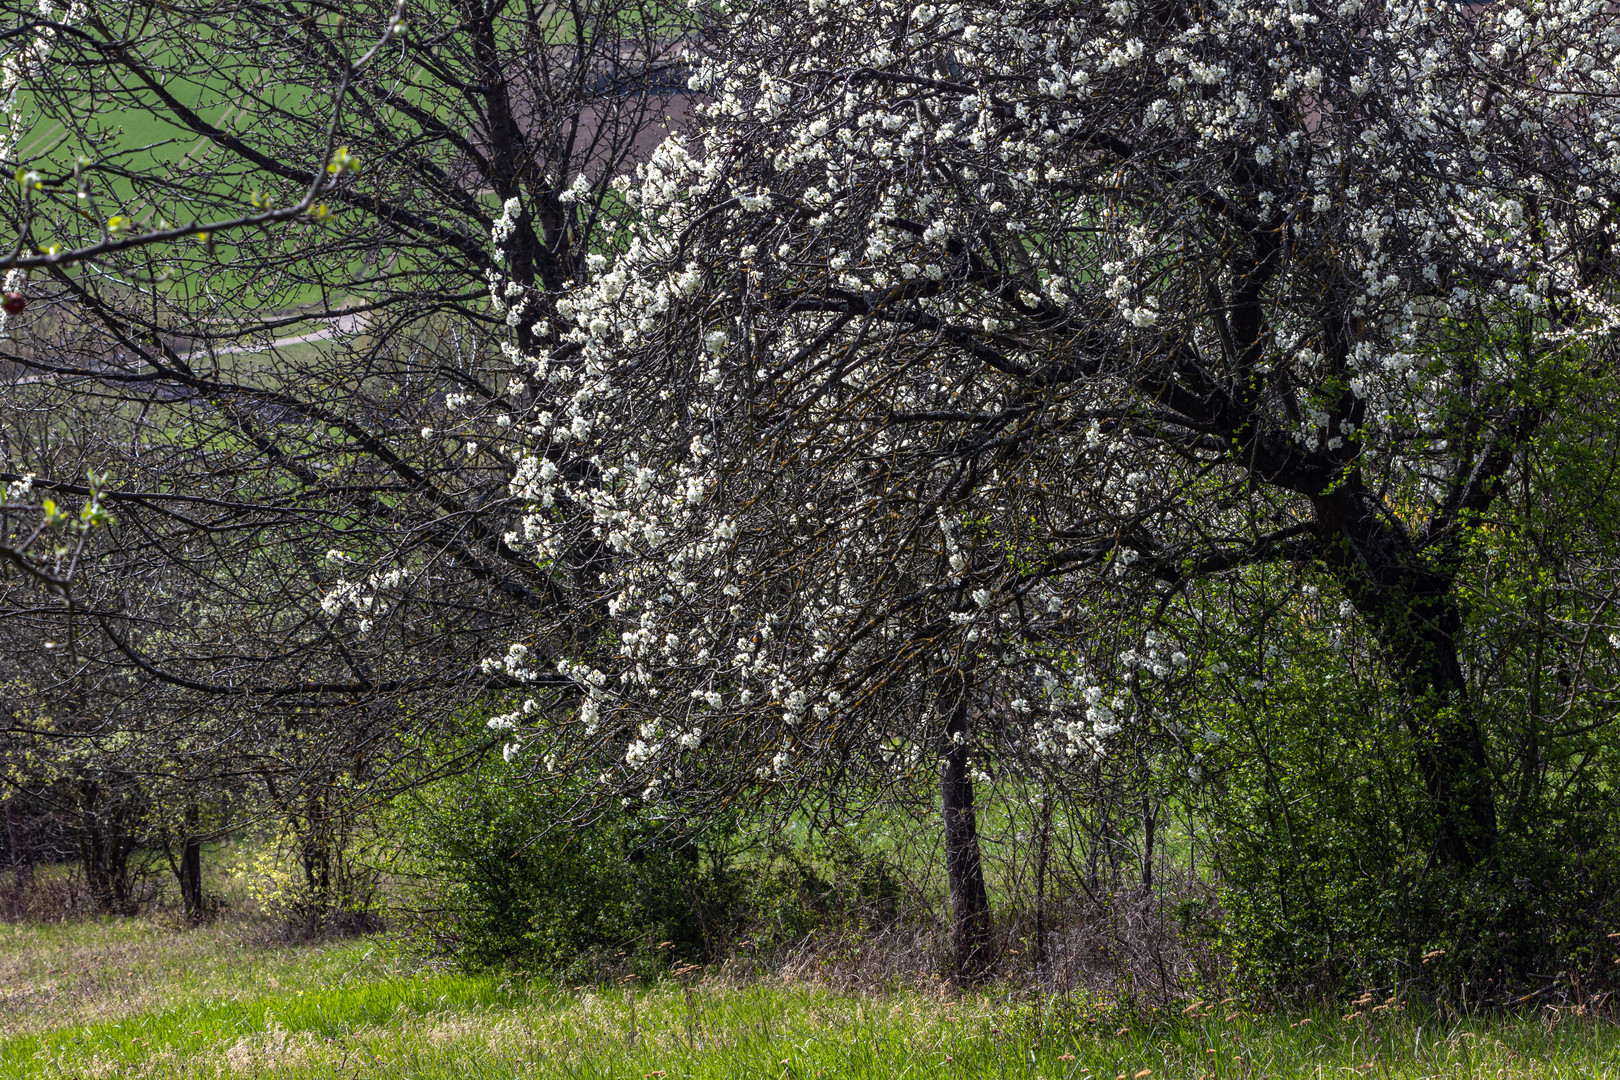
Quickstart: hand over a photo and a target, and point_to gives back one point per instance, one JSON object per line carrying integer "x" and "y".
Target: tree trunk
{"x": 1043, "y": 852}
{"x": 104, "y": 849}
{"x": 1456, "y": 773}
{"x": 94, "y": 856}
{"x": 190, "y": 869}
{"x": 964, "y": 869}
{"x": 22, "y": 852}
{"x": 1409, "y": 607}
{"x": 316, "y": 856}
{"x": 1150, "y": 820}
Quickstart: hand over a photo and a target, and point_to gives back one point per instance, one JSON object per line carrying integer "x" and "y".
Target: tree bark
{"x": 106, "y": 841}
{"x": 1042, "y": 853}
{"x": 964, "y": 869}
{"x": 1409, "y": 607}
{"x": 1451, "y": 746}
{"x": 22, "y": 852}
{"x": 1150, "y": 820}
{"x": 190, "y": 869}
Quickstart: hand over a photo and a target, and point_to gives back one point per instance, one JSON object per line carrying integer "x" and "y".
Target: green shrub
{"x": 833, "y": 879}
{"x": 1326, "y": 852}
{"x": 524, "y": 873}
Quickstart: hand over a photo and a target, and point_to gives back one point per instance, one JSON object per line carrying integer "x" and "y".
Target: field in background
{"x": 138, "y": 998}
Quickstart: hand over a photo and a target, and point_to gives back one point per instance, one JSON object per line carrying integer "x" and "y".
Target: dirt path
{"x": 343, "y": 324}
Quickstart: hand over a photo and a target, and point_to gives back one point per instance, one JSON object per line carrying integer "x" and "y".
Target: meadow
{"x": 146, "y": 997}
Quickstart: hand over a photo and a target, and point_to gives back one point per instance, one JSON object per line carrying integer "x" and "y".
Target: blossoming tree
{"x": 946, "y": 317}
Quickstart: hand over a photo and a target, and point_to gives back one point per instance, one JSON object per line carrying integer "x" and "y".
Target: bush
{"x": 519, "y": 875}
{"x": 834, "y": 880}
{"x": 1327, "y": 856}
{"x": 343, "y": 898}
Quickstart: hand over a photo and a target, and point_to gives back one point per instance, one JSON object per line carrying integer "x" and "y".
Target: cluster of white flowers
{"x": 364, "y": 597}
{"x": 1076, "y": 721}
{"x": 1158, "y": 657}
{"x": 509, "y": 721}
{"x": 505, "y": 225}
{"x": 345, "y": 594}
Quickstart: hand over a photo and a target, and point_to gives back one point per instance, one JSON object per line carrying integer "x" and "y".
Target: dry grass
{"x": 59, "y": 974}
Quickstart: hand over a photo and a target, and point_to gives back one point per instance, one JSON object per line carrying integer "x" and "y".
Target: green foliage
{"x": 529, "y": 873}
{"x": 832, "y": 880}
{"x": 1324, "y": 837}
{"x": 524, "y": 870}
{"x": 1320, "y": 823}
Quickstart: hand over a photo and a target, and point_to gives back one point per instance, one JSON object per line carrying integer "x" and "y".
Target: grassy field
{"x": 134, "y": 998}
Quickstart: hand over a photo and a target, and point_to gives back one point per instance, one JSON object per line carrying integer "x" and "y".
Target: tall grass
{"x": 130, "y": 998}
{"x": 458, "y": 1027}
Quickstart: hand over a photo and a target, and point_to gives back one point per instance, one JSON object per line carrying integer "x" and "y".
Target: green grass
{"x": 67, "y": 975}
{"x": 128, "y": 998}
{"x": 193, "y": 1030}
